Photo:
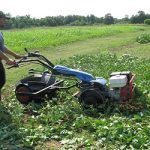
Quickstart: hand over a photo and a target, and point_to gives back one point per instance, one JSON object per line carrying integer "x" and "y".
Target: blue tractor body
{"x": 83, "y": 76}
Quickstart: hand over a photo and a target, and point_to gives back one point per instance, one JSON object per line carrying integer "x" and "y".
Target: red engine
{"x": 122, "y": 86}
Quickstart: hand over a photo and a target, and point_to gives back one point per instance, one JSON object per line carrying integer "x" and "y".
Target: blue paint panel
{"x": 83, "y": 76}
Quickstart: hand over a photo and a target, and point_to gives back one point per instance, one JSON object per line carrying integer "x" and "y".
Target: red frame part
{"x": 127, "y": 91}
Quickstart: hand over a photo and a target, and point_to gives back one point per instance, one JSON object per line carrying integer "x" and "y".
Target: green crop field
{"x": 62, "y": 123}
{"x": 48, "y": 37}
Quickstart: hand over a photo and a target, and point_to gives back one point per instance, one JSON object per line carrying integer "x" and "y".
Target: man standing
{"x": 4, "y": 51}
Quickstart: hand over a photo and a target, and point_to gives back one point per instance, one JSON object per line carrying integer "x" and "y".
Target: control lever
{"x": 26, "y": 50}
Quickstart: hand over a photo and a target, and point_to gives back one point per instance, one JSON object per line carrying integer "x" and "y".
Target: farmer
{"x": 4, "y": 51}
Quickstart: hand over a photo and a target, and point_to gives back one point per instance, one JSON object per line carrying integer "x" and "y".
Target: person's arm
{"x": 6, "y": 50}
{"x": 7, "y": 59}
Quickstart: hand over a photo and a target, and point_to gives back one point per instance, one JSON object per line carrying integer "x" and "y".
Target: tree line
{"x": 73, "y": 20}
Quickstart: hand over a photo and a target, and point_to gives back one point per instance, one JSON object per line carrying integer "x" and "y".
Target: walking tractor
{"x": 93, "y": 91}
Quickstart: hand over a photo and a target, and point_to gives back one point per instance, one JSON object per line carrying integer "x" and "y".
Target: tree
{"x": 126, "y": 19}
{"x": 108, "y": 19}
{"x": 140, "y": 17}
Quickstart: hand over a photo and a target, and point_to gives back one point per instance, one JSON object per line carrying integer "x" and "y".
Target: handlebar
{"x": 38, "y": 58}
{"x": 32, "y": 54}
{"x": 17, "y": 62}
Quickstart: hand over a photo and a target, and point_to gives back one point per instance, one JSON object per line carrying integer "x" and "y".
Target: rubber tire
{"x": 23, "y": 99}
{"x": 92, "y": 98}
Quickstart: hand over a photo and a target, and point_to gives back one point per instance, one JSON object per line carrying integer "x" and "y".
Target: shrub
{"x": 143, "y": 39}
{"x": 147, "y": 21}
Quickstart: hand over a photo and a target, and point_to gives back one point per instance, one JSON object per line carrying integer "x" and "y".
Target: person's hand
{"x": 10, "y": 62}
{"x": 17, "y": 56}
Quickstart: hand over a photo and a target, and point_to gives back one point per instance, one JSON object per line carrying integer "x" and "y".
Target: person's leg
{"x": 2, "y": 77}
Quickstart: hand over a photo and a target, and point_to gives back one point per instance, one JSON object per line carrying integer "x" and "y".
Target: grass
{"x": 37, "y": 38}
{"x": 120, "y": 43}
{"x": 63, "y": 124}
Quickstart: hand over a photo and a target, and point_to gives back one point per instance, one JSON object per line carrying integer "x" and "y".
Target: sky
{"x": 43, "y": 8}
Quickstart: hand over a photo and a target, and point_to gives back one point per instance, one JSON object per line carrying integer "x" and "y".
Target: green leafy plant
{"x": 143, "y": 39}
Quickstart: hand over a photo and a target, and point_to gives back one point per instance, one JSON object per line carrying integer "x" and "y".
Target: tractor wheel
{"x": 92, "y": 98}
{"x": 23, "y": 99}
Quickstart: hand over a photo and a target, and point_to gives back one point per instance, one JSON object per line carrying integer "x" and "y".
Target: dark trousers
{"x": 2, "y": 75}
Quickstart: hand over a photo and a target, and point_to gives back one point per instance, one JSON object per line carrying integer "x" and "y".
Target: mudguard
{"x": 100, "y": 80}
